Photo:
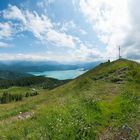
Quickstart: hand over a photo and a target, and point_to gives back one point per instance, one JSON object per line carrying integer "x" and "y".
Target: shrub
{"x": 27, "y": 94}
{"x": 33, "y": 93}
{"x": 7, "y": 97}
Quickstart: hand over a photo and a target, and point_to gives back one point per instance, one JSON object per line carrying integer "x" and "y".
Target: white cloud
{"x": 4, "y": 45}
{"x": 67, "y": 26}
{"x": 44, "y": 3}
{"x": 30, "y": 21}
{"x": 20, "y": 56}
{"x": 132, "y": 52}
{"x": 116, "y": 22}
{"x": 82, "y": 54}
{"x": 48, "y": 32}
{"x": 6, "y": 30}
{"x": 61, "y": 39}
{"x": 14, "y": 13}
{"x": 44, "y": 30}
{"x": 83, "y": 32}
{"x": 71, "y": 26}
{"x": 40, "y": 26}
{"x": 85, "y": 53}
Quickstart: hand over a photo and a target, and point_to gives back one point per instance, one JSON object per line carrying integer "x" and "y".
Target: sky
{"x": 69, "y": 30}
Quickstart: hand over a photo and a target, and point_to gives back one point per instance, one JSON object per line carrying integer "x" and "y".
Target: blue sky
{"x": 66, "y": 31}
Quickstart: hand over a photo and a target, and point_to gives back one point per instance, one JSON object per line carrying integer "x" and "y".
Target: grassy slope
{"x": 16, "y": 90}
{"x": 93, "y": 106}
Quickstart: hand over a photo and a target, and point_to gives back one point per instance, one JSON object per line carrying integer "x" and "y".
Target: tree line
{"x": 46, "y": 83}
{"x": 8, "y": 97}
{"x": 28, "y": 81}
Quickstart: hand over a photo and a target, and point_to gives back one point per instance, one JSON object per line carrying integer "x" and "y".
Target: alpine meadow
{"x": 69, "y": 70}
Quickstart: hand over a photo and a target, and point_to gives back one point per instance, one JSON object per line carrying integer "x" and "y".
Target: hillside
{"x": 36, "y": 81}
{"x": 10, "y": 75}
{"x": 102, "y": 104}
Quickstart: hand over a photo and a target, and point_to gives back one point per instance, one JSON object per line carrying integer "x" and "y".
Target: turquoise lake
{"x": 61, "y": 75}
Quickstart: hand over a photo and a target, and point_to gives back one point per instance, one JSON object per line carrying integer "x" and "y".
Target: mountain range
{"x": 32, "y": 66}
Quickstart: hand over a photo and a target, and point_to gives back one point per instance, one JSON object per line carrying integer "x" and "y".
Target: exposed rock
{"x": 138, "y": 138}
{"x": 25, "y": 115}
{"x": 124, "y": 133}
{"x": 126, "y": 129}
{"x": 121, "y": 71}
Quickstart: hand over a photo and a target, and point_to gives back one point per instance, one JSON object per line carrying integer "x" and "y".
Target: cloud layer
{"x": 39, "y": 25}
{"x": 116, "y": 22}
{"x": 47, "y": 32}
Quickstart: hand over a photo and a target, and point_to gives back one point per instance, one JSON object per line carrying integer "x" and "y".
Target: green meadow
{"x": 102, "y": 104}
